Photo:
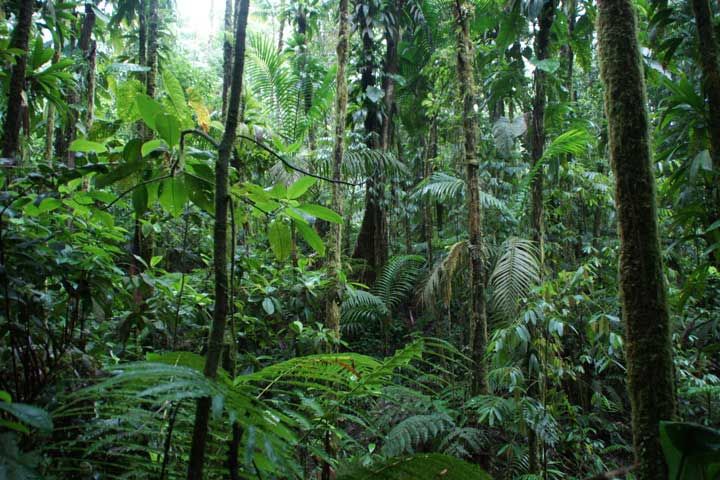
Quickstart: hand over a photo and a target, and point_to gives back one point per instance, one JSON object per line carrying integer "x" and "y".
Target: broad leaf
{"x": 280, "y": 239}
{"x": 298, "y": 189}
{"x": 86, "y": 146}
{"x": 321, "y": 212}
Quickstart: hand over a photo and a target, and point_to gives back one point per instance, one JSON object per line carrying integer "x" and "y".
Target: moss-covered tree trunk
{"x": 334, "y": 252}
{"x": 708, "y": 57}
{"x": 372, "y": 244}
{"x": 13, "y": 112}
{"x": 478, "y": 321}
{"x": 642, "y": 288}
{"x": 220, "y": 261}
{"x": 542, "y": 46}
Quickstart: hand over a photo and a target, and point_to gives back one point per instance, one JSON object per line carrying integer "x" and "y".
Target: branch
{"x": 199, "y": 133}
{"x": 293, "y": 167}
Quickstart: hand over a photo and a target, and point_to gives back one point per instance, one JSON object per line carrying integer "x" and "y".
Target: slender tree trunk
{"x": 478, "y": 321}
{"x": 708, "y": 57}
{"x": 642, "y": 287}
{"x": 220, "y": 263}
{"x": 537, "y": 213}
{"x": 13, "y": 113}
{"x": 430, "y": 155}
{"x": 227, "y": 54}
{"x": 51, "y": 113}
{"x": 542, "y": 43}
{"x": 152, "y": 46}
{"x": 334, "y": 253}
{"x": 281, "y": 31}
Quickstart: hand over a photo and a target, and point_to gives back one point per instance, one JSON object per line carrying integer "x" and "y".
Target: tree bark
{"x": 542, "y": 43}
{"x": 334, "y": 253}
{"x": 152, "y": 47}
{"x": 430, "y": 155}
{"x": 220, "y": 262}
{"x": 478, "y": 321}
{"x": 708, "y": 58}
{"x": 642, "y": 287}
{"x": 372, "y": 244}
{"x": 227, "y": 55}
{"x": 14, "y": 112}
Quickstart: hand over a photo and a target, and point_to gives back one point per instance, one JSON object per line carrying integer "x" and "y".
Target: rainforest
{"x": 360, "y": 239}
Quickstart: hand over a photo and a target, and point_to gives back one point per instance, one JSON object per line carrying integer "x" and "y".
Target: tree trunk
{"x": 430, "y": 155}
{"x": 334, "y": 253}
{"x": 642, "y": 287}
{"x": 478, "y": 321}
{"x": 281, "y": 30}
{"x": 220, "y": 263}
{"x": 227, "y": 55}
{"x": 13, "y": 113}
{"x": 51, "y": 113}
{"x": 371, "y": 245}
{"x": 152, "y": 47}
{"x": 708, "y": 57}
{"x": 542, "y": 42}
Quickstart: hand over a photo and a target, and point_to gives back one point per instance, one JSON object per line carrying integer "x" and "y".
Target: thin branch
{"x": 199, "y": 133}
{"x": 293, "y": 167}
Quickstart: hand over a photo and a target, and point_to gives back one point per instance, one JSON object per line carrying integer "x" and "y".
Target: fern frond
{"x": 415, "y": 431}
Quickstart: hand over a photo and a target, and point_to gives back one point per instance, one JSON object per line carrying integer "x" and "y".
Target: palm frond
{"x": 516, "y": 271}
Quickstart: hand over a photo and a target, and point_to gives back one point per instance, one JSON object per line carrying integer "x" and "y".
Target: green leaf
{"x": 5, "y": 396}
{"x": 280, "y": 239}
{"x": 200, "y": 192}
{"x": 169, "y": 128}
{"x": 173, "y": 195}
{"x": 298, "y": 189}
{"x": 374, "y": 94}
{"x": 321, "y": 212}
{"x": 86, "y": 146}
{"x": 151, "y": 146}
{"x": 691, "y": 451}
{"x": 132, "y": 154}
{"x": 311, "y": 237}
{"x": 268, "y": 306}
{"x": 30, "y": 415}
{"x": 149, "y": 109}
{"x": 548, "y": 65}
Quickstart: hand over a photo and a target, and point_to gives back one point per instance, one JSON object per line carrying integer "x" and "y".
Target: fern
{"x": 415, "y": 431}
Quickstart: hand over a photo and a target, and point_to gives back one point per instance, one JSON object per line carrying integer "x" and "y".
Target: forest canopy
{"x": 360, "y": 239}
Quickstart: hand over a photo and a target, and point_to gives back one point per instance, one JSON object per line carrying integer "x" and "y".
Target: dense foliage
{"x": 417, "y": 273}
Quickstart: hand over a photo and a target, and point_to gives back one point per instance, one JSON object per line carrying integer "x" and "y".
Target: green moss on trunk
{"x": 642, "y": 288}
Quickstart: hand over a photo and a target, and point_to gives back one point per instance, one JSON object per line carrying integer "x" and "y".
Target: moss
{"x": 642, "y": 288}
